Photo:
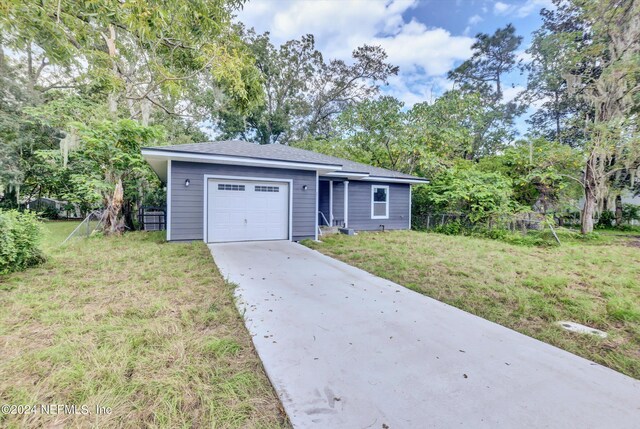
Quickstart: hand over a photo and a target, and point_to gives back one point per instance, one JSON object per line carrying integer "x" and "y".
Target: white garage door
{"x": 243, "y": 210}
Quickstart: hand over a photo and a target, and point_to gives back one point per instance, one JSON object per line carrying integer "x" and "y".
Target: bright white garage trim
{"x": 375, "y": 203}
{"x": 249, "y": 183}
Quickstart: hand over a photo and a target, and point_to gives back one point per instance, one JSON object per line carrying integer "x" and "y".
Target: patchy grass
{"x": 526, "y": 288}
{"x": 144, "y": 327}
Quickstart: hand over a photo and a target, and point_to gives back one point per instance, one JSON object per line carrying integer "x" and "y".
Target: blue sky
{"x": 425, "y": 38}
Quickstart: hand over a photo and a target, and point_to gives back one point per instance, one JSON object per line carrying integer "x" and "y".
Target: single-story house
{"x": 241, "y": 191}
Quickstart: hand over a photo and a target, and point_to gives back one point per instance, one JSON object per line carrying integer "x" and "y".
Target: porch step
{"x": 329, "y": 230}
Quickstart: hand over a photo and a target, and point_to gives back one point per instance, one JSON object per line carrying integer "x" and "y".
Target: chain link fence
{"x": 520, "y": 222}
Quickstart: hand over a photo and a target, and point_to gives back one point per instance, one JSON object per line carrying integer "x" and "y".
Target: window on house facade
{"x": 379, "y": 202}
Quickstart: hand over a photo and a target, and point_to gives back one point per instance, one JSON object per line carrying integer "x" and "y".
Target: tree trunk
{"x": 557, "y": 114}
{"x": 110, "y": 40}
{"x": 590, "y": 200}
{"x": 112, "y": 222}
{"x": 618, "y": 210}
{"x": 127, "y": 214}
{"x": 587, "y": 213}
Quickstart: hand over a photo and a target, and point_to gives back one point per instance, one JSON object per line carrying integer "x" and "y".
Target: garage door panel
{"x": 240, "y": 210}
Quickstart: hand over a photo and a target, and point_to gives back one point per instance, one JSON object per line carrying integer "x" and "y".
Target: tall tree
{"x": 545, "y": 174}
{"x": 560, "y": 115}
{"x": 493, "y": 57}
{"x": 447, "y": 129}
{"x": 143, "y": 53}
{"x": 303, "y": 92}
{"x": 136, "y": 58}
{"x": 373, "y": 132}
{"x": 601, "y": 65}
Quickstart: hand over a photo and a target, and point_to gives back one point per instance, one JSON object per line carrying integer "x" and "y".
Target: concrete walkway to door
{"x": 346, "y": 349}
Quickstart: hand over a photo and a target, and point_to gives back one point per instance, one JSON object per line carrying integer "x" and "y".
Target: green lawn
{"x": 596, "y": 283}
{"x": 146, "y": 328}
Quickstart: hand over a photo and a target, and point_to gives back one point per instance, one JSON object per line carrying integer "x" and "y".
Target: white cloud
{"x": 500, "y": 8}
{"x": 341, "y": 26}
{"x": 416, "y": 47}
{"x": 523, "y": 10}
{"x": 475, "y": 19}
{"x": 523, "y": 56}
{"x": 412, "y": 88}
{"x": 533, "y": 6}
{"x": 511, "y": 92}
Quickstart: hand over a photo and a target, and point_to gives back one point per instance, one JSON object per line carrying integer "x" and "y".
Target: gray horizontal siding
{"x": 338, "y": 201}
{"x": 187, "y": 203}
{"x": 360, "y": 206}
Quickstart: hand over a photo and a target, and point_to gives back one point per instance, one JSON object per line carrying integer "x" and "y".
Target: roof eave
{"x": 350, "y": 175}
{"x": 408, "y": 180}
{"x": 151, "y": 154}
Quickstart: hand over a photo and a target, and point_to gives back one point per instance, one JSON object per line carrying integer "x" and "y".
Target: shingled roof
{"x": 279, "y": 152}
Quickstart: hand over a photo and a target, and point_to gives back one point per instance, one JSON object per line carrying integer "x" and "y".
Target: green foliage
{"x": 475, "y": 193}
{"x": 156, "y": 197}
{"x": 450, "y": 228}
{"x": 20, "y": 234}
{"x": 630, "y": 212}
{"x": 165, "y": 43}
{"x": 373, "y": 132}
{"x": 303, "y": 92}
{"x": 543, "y": 173}
{"x": 606, "y": 219}
{"x": 109, "y": 152}
{"x": 447, "y": 128}
{"x": 559, "y": 117}
{"x": 425, "y": 140}
{"x": 494, "y": 56}
{"x": 50, "y": 212}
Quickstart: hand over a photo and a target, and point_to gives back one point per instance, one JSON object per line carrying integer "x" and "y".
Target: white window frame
{"x": 373, "y": 191}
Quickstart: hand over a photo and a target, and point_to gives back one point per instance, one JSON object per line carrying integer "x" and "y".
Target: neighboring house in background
{"x": 627, "y": 198}
{"x": 41, "y": 204}
{"x": 240, "y": 191}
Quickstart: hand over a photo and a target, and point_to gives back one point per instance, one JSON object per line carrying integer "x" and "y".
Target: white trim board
{"x": 205, "y": 213}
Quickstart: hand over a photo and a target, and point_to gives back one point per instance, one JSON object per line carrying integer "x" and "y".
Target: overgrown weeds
{"x": 146, "y": 328}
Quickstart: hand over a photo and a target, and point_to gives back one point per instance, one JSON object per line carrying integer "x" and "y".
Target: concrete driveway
{"x": 346, "y": 349}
